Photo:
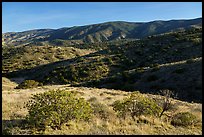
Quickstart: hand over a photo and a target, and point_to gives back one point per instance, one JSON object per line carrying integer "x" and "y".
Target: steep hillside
{"x": 100, "y": 32}
{"x": 182, "y": 77}
{"x": 127, "y": 66}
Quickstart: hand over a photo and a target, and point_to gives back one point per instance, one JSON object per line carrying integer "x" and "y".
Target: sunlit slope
{"x": 126, "y": 66}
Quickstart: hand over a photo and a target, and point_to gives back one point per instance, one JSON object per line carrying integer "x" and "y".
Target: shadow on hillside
{"x": 17, "y": 80}
{"x": 15, "y": 127}
{"x": 13, "y": 123}
{"x": 37, "y": 72}
{"x": 41, "y": 70}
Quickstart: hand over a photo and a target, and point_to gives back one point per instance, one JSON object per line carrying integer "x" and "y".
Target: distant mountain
{"x": 99, "y": 32}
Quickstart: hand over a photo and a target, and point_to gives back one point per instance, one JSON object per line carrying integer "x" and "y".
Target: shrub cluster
{"x": 152, "y": 78}
{"x": 77, "y": 73}
{"x": 179, "y": 70}
{"x": 54, "y": 108}
{"x": 136, "y": 105}
{"x": 101, "y": 110}
{"x": 183, "y": 119}
{"x": 28, "y": 84}
{"x": 189, "y": 61}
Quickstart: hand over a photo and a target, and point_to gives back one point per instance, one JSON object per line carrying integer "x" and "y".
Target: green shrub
{"x": 136, "y": 105}
{"x": 154, "y": 65}
{"x": 155, "y": 69}
{"x": 92, "y": 99}
{"x": 189, "y": 61}
{"x": 152, "y": 78}
{"x": 155, "y": 87}
{"x": 112, "y": 79}
{"x": 28, "y": 84}
{"x": 140, "y": 70}
{"x": 101, "y": 110}
{"x": 6, "y": 131}
{"x": 127, "y": 87}
{"x": 108, "y": 60}
{"x": 57, "y": 42}
{"x": 54, "y": 108}
{"x": 162, "y": 80}
{"x": 183, "y": 119}
{"x": 196, "y": 41}
{"x": 179, "y": 70}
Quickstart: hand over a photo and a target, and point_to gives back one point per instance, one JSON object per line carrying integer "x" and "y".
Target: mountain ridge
{"x": 107, "y": 31}
{"x": 106, "y": 22}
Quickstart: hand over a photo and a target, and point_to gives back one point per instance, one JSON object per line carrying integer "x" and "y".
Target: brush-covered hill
{"x": 167, "y": 61}
{"x": 16, "y": 58}
{"x": 26, "y": 57}
{"x": 99, "y": 32}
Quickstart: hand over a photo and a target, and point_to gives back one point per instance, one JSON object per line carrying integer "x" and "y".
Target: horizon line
{"x": 101, "y": 23}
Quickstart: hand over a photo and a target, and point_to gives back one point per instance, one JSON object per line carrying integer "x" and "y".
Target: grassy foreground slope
{"x": 14, "y": 112}
{"x": 8, "y": 84}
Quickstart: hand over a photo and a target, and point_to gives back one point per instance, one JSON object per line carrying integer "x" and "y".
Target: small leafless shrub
{"x": 167, "y": 102}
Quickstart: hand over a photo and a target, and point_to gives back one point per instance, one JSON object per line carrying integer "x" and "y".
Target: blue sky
{"x": 21, "y": 16}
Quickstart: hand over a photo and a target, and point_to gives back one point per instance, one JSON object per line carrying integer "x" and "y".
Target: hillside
{"x": 126, "y": 66}
{"x": 113, "y": 78}
{"x": 99, "y": 32}
{"x": 105, "y": 120}
{"x": 26, "y": 57}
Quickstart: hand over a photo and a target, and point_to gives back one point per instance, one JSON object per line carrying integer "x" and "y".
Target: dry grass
{"x": 13, "y": 109}
{"x": 8, "y": 85}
